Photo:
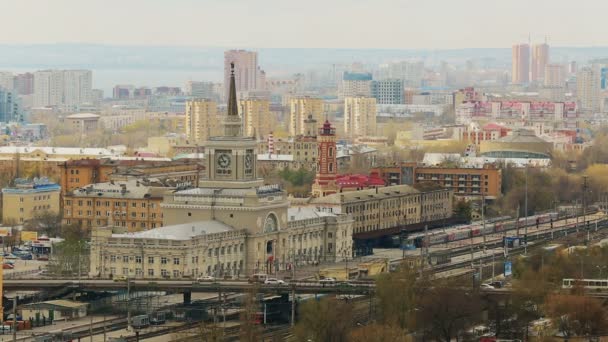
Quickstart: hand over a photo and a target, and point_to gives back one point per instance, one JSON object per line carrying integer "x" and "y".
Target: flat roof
{"x": 184, "y": 231}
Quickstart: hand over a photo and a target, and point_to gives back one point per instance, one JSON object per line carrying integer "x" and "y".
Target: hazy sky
{"x": 306, "y": 23}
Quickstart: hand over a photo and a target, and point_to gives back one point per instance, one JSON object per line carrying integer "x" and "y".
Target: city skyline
{"x": 338, "y": 25}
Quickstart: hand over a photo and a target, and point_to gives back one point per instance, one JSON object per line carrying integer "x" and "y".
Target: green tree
{"x": 463, "y": 210}
{"x": 397, "y": 294}
{"x": 325, "y": 320}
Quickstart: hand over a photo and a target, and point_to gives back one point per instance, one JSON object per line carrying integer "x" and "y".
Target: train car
{"x": 462, "y": 234}
{"x": 438, "y": 238}
{"x": 158, "y": 318}
{"x": 451, "y": 236}
{"x": 140, "y": 322}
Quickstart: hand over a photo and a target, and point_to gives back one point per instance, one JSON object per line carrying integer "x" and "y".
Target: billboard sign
{"x": 508, "y": 268}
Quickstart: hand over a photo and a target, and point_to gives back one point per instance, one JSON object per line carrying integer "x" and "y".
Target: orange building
{"x": 465, "y": 182}
{"x": 132, "y": 204}
{"x": 77, "y": 174}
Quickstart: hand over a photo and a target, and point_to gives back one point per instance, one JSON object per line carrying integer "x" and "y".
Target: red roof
{"x": 493, "y": 127}
{"x": 359, "y": 181}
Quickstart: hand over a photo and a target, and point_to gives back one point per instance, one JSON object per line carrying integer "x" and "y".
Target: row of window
{"x": 89, "y": 223}
{"x": 98, "y": 213}
{"x": 108, "y": 204}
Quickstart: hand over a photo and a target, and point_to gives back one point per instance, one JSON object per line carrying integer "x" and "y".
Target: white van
{"x": 258, "y": 278}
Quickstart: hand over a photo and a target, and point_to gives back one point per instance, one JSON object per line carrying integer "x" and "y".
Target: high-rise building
{"x": 202, "y": 119}
{"x": 360, "y": 116}
{"x": 554, "y": 75}
{"x": 588, "y": 85}
{"x": 604, "y": 77}
{"x": 78, "y": 85}
{"x": 356, "y": 84}
{"x": 247, "y": 73}
{"x": 300, "y": 108}
{"x": 62, "y": 88}
{"x": 200, "y": 90}
{"x": 410, "y": 72}
{"x": 520, "y": 64}
{"x": 10, "y": 106}
{"x": 7, "y": 80}
{"x": 24, "y": 83}
{"x": 255, "y": 114}
{"x": 540, "y": 59}
{"x": 389, "y": 91}
{"x": 123, "y": 92}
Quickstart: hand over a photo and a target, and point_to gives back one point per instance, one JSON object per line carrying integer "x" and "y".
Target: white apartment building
{"x": 67, "y": 89}
{"x": 588, "y": 87}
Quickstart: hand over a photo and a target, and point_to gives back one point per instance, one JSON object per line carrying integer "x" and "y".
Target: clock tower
{"x": 231, "y": 157}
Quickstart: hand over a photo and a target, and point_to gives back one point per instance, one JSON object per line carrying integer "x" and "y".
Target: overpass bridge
{"x": 186, "y": 286}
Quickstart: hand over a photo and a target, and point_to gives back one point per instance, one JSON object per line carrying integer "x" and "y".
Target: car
{"x": 327, "y": 281}
{"x": 487, "y": 287}
{"x": 8, "y": 266}
{"x": 120, "y": 278}
{"x": 274, "y": 281}
{"x": 11, "y": 257}
{"x": 346, "y": 284}
{"x": 206, "y": 278}
{"x": 497, "y": 284}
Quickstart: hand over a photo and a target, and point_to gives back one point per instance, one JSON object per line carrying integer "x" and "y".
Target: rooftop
{"x": 124, "y": 189}
{"x": 184, "y": 231}
{"x": 353, "y": 196}
{"x": 48, "y": 150}
{"x": 522, "y": 136}
{"x": 83, "y": 116}
{"x": 305, "y": 213}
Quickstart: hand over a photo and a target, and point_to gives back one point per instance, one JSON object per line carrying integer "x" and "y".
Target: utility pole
{"x": 526, "y": 214}
{"x": 128, "y": 303}
{"x": 585, "y": 208}
{"x": 15, "y": 318}
{"x": 91, "y": 328}
{"x": 293, "y": 305}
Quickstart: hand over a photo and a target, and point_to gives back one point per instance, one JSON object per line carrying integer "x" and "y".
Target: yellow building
{"x": 202, "y": 119}
{"x": 21, "y": 202}
{"x": 83, "y": 122}
{"x": 360, "y": 116}
{"x": 255, "y": 113}
{"x": 300, "y": 109}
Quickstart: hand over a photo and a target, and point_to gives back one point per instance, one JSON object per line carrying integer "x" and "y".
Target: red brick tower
{"x": 327, "y": 165}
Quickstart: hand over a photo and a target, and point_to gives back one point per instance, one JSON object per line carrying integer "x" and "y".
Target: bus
{"x": 590, "y": 284}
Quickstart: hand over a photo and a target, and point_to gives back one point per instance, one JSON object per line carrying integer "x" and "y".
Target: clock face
{"x": 224, "y": 160}
{"x": 248, "y": 161}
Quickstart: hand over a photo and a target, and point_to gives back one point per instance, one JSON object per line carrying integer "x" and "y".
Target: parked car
{"x": 487, "y": 287}
{"x": 258, "y": 278}
{"x": 25, "y": 257}
{"x": 274, "y": 281}
{"x": 206, "y": 278}
{"x": 8, "y": 266}
{"x": 327, "y": 281}
{"x": 10, "y": 257}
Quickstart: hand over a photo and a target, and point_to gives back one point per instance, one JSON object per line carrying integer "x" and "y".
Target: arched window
{"x": 331, "y": 167}
{"x": 271, "y": 224}
{"x": 331, "y": 151}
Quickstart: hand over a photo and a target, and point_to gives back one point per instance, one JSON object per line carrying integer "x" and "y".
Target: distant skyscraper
{"x": 67, "y": 89}
{"x": 10, "y": 107}
{"x": 300, "y": 108}
{"x": 389, "y": 91}
{"x": 24, "y": 83}
{"x": 360, "y": 116}
{"x": 604, "y": 76}
{"x": 554, "y": 75}
{"x": 247, "y": 73}
{"x": 200, "y": 90}
{"x": 356, "y": 84}
{"x": 255, "y": 114}
{"x": 588, "y": 85}
{"x": 7, "y": 80}
{"x": 123, "y": 91}
{"x": 540, "y": 59}
{"x": 520, "y": 64}
{"x": 202, "y": 120}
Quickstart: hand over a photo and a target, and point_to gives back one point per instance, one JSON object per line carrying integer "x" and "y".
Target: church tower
{"x": 327, "y": 165}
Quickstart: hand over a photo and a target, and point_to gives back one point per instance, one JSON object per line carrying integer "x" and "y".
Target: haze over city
{"x": 344, "y": 170}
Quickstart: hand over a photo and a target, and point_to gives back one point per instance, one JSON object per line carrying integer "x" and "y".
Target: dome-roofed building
{"x": 522, "y": 143}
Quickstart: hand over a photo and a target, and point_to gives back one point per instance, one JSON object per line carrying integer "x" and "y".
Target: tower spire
{"x": 232, "y": 108}
{"x": 232, "y": 121}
